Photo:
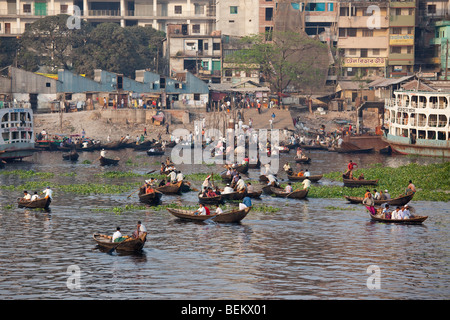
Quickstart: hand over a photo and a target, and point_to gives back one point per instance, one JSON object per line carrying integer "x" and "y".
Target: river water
{"x": 310, "y": 249}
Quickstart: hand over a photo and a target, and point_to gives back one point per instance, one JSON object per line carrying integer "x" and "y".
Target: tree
{"x": 289, "y": 59}
{"x": 51, "y": 41}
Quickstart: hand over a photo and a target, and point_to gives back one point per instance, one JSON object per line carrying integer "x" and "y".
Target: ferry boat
{"x": 16, "y": 133}
{"x": 418, "y": 123}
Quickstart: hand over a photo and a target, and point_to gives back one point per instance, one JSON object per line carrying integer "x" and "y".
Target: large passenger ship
{"x": 418, "y": 123}
{"x": 16, "y": 133}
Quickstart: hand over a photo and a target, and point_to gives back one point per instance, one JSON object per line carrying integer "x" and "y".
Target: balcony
{"x": 402, "y": 21}
{"x": 363, "y": 42}
{"x": 361, "y": 22}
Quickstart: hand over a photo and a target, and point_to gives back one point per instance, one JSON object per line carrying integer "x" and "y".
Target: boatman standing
{"x": 48, "y": 193}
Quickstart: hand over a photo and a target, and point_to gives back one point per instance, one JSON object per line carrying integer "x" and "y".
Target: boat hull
{"x": 421, "y": 147}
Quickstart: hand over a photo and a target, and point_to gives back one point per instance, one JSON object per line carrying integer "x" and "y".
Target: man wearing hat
{"x": 228, "y": 189}
{"x": 406, "y": 213}
{"x": 386, "y": 195}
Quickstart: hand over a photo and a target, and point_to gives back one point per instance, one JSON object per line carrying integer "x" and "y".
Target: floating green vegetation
{"x": 86, "y": 162}
{"x": 8, "y": 207}
{"x": 118, "y": 174}
{"x": 333, "y": 208}
{"x": 202, "y": 176}
{"x": 265, "y": 208}
{"x": 120, "y": 210}
{"x": 28, "y": 174}
{"x": 432, "y": 182}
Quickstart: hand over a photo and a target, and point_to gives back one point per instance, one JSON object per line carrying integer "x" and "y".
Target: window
{"x": 342, "y": 32}
{"x": 363, "y": 53}
{"x": 410, "y": 12}
{"x": 409, "y": 49}
{"x": 216, "y": 46}
{"x": 375, "y": 52}
{"x": 330, "y": 6}
{"x": 352, "y": 52}
{"x": 178, "y": 9}
{"x": 228, "y": 73}
{"x": 196, "y": 96}
{"x": 199, "y": 9}
{"x": 398, "y": 11}
{"x": 47, "y": 84}
{"x": 268, "y": 33}
{"x": 269, "y": 14}
{"x": 233, "y": 9}
{"x": 351, "y": 32}
{"x": 367, "y": 33}
{"x": 27, "y": 8}
{"x": 396, "y": 30}
{"x": 196, "y": 28}
{"x": 396, "y": 49}
{"x": 431, "y": 9}
{"x": 64, "y": 8}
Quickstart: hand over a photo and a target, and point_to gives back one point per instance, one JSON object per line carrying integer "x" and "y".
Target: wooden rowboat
{"x": 173, "y": 188}
{"x": 43, "y": 203}
{"x": 303, "y": 160}
{"x": 152, "y": 198}
{"x": 210, "y": 200}
{"x": 255, "y": 194}
{"x": 108, "y": 162}
{"x": 345, "y": 150}
{"x": 236, "y": 195}
{"x": 72, "y": 156}
{"x": 313, "y": 178}
{"x": 356, "y": 183}
{"x": 225, "y": 217}
{"x": 155, "y": 152}
{"x": 414, "y": 220}
{"x": 399, "y": 201}
{"x": 241, "y": 168}
{"x": 296, "y": 194}
{"x": 128, "y": 245}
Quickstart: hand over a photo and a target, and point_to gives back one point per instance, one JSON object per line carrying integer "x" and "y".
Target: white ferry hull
{"x": 16, "y": 133}
{"x": 421, "y": 147}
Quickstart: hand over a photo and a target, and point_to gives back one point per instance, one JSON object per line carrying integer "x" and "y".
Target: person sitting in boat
{"x": 406, "y": 213}
{"x": 272, "y": 180}
{"x": 228, "y": 189}
{"x": 396, "y": 214}
{"x": 210, "y": 193}
{"x": 307, "y": 173}
{"x": 117, "y": 236}
{"x": 300, "y": 173}
{"x": 149, "y": 189}
{"x": 299, "y": 153}
{"x": 206, "y": 183}
{"x": 246, "y": 203}
{"x": 163, "y": 168}
{"x": 140, "y": 230}
{"x": 386, "y": 213}
{"x": 162, "y": 183}
{"x": 180, "y": 176}
{"x": 250, "y": 188}
{"x": 368, "y": 201}
{"x": 26, "y": 195}
{"x": 410, "y": 188}
{"x": 376, "y": 195}
{"x": 240, "y": 184}
{"x": 168, "y": 162}
{"x": 288, "y": 188}
{"x": 217, "y": 191}
{"x": 386, "y": 195}
{"x": 306, "y": 184}
{"x": 35, "y": 196}
{"x": 172, "y": 177}
{"x": 103, "y": 153}
{"x": 287, "y": 168}
{"x": 201, "y": 210}
{"x": 219, "y": 210}
{"x": 234, "y": 181}
{"x": 361, "y": 176}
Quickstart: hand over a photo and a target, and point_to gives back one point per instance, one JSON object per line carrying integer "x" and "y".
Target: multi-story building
{"x": 363, "y": 40}
{"x": 198, "y": 15}
{"x": 402, "y": 22}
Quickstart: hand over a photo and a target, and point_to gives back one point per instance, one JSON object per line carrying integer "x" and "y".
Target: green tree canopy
{"x": 286, "y": 59}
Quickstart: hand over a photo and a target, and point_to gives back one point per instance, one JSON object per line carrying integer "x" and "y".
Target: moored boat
{"x": 210, "y": 200}
{"x": 232, "y": 216}
{"x": 155, "y": 152}
{"x": 173, "y": 188}
{"x": 303, "y": 160}
{"x": 130, "y": 244}
{"x": 72, "y": 156}
{"x": 356, "y": 183}
{"x": 236, "y": 195}
{"x": 296, "y": 194}
{"x": 312, "y": 178}
{"x": 107, "y": 161}
{"x": 152, "y": 198}
{"x": 399, "y": 201}
{"x": 413, "y": 220}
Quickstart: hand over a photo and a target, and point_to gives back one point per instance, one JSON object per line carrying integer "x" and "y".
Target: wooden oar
{"x": 133, "y": 193}
{"x": 151, "y": 171}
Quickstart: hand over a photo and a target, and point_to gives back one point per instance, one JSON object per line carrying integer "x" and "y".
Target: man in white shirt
{"x": 227, "y": 189}
{"x": 26, "y": 195}
{"x": 272, "y": 179}
{"x": 140, "y": 230}
{"x": 201, "y": 210}
{"x": 180, "y": 176}
{"x": 48, "y": 193}
{"x": 376, "y": 195}
{"x": 35, "y": 196}
{"x": 406, "y": 213}
{"x": 103, "y": 153}
{"x": 219, "y": 210}
{"x": 307, "y": 173}
{"x": 396, "y": 213}
{"x": 172, "y": 176}
{"x": 306, "y": 183}
{"x": 116, "y": 235}
{"x": 240, "y": 185}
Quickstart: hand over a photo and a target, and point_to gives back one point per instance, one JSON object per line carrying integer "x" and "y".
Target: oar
{"x": 151, "y": 171}
{"x": 133, "y": 193}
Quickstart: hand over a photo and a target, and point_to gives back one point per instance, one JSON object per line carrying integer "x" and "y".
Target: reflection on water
{"x": 304, "y": 251}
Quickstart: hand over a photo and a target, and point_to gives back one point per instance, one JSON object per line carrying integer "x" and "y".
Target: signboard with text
{"x": 364, "y": 62}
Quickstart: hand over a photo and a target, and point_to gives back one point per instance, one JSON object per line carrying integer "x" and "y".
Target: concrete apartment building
{"x": 197, "y": 15}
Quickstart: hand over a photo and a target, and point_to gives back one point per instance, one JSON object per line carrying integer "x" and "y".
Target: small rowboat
{"x": 112, "y": 145}
{"x": 72, "y": 156}
{"x": 236, "y": 195}
{"x": 414, "y": 220}
{"x": 173, "y": 188}
{"x": 241, "y": 168}
{"x": 128, "y": 245}
{"x": 210, "y": 200}
{"x": 150, "y": 198}
{"x": 296, "y": 194}
{"x": 399, "y": 201}
{"x": 255, "y": 194}
{"x": 225, "y": 217}
{"x": 356, "y": 183}
{"x": 108, "y": 162}
{"x": 155, "y": 152}
{"x": 303, "y": 160}
{"x": 344, "y": 150}
{"x": 43, "y": 203}
{"x": 313, "y": 178}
